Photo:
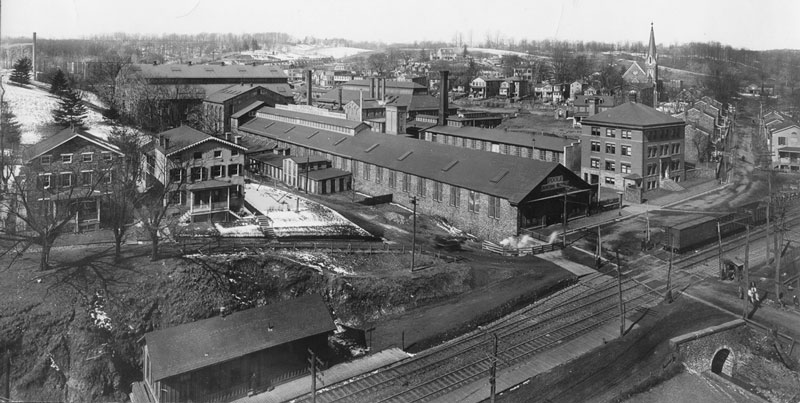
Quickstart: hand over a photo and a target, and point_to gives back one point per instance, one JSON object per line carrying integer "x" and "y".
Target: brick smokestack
{"x": 339, "y": 94}
{"x": 372, "y": 87}
{"x": 443, "y": 97}
{"x": 308, "y": 87}
{"x": 383, "y": 89}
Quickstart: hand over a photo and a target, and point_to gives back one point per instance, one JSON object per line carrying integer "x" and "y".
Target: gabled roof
{"x": 183, "y": 348}
{"x": 208, "y": 71}
{"x": 504, "y": 176}
{"x": 232, "y": 92}
{"x": 507, "y": 137}
{"x": 635, "y": 67}
{"x": 389, "y": 84}
{"x": 632, "y": 114}
{"x": 68, "y": 134}
{"x": 184, "y": 137}
{"x": 783, "y": 126}
{"x": 333, "y": 121}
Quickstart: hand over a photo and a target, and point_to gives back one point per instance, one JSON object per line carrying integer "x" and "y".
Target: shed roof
{"x": 632, "y": 114}
{"x": 327, "y": 173}
{"x": 504, "y": 176}
{"x": 233, "y": 91}
{"x": 247, "y": 109}
{"x": 184, "y": 348}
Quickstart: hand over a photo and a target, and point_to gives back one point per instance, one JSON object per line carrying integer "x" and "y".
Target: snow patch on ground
{"x": 246, "y": 230}
{"x": 33, "y": 107}
{"x": 99, "y": 316}
{"x": 319, "y": 261}
{"x": 292, "y": 215}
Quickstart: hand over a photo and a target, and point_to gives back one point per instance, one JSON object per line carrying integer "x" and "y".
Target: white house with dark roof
{"x": 785, "y": 145}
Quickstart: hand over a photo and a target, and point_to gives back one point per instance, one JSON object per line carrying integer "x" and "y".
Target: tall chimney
{"x": 443, "y": 97}
{"x": 309, "y": 85}
{"x": 339, "y": 93}
{"x": 33, "y": 57}
{"x": 372, "y": 87}
{"x": 383, "y": 89}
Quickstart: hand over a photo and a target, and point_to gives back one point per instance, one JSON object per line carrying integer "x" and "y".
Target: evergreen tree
{"x": 59, "y": 83}
{"x": 10, "y": 129}
{"x": 22, "y": 71}
{"x": 71, "y": 110}
{"x": 254, "y": 45}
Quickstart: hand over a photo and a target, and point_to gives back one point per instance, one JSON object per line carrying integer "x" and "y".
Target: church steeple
{"x": 651, "y": 61}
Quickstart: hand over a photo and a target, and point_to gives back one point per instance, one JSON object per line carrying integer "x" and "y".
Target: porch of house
{"x": 213, "y": 200}
{"x": 788, "y": 159}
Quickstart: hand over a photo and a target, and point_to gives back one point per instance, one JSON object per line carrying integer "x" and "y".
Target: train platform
{"x": 301, "y": 386}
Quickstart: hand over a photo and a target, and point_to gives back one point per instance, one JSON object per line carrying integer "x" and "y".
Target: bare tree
{"x": 42, "y": 205}
{"x": 156, "y": 207}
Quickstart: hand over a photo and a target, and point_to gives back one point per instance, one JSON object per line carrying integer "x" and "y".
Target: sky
{"x": 752, "y": 24}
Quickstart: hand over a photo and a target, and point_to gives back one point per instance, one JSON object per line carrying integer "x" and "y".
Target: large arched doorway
{"x": 722, "y": 363}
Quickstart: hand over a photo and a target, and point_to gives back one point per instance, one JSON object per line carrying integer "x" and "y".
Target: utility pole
{"x": 719, "y": 242}
{"x": 599, "y": 248}
{"x": 746, "y": 276}
{"x": 493, "y": 372}
{"x": 308, "y": 165}
{"x": 314, "y": 361}
{"x": 668, "y": 295}
{"x": 779, "y": 255}
{"x": 564, "y": 222}
{"x": 647, "y": 224}
{"x": 414, "y": 233}
{"x": 621, "y": 306}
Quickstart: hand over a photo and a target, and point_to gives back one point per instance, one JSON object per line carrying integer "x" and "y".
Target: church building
{"x": 642, "y": 81}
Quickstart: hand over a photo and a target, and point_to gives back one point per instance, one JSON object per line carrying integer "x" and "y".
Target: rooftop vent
{"x": 404, "y": 156}
{"x": 339, "y": 141}
{"x": 450, "y": 165}
{"x": 499, "y": 176}
{"x": 288, "y": 130}
{"x": 372, "y": 147}
{"x": 313, "y": 134}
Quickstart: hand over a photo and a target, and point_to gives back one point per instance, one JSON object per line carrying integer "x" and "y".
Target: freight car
{"x": 697, "y": 232}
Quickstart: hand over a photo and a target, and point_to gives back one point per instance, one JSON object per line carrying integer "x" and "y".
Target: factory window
{"x": 494, "y": 207}
{"x": 472, "y": 202}
{"x": 625, "y": 168}
{"x": 437, "y": 191}
{"x": 596, "y": 146}
{"x": 781, "y": 141}
{"x": 626, "y": 150}
{"x": 611, "y": 148}
{"x": 392, "y": 179}
{"x": 610, "y": 166}
{"x": 421, "y": 187}
{"x": 625, "y": 134}
{"x": 66, "y": 158}
{"x": 406, "y": 183}
{"x": 367, "y": 171}
{"x": 594, "y": 163}
{"x": 611, "y": 133}
{"x": 595, "y": 131}
{"x": 378, "y": 174}
{"x": 610, "y": 180}
{"x": 543, "y": 155}
{"x": 455, "y": 196}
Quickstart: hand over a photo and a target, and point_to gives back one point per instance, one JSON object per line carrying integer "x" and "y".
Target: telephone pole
{"x": 746, "y": 274}
{"x": 414, "y": 233}
{"x": 493, "y": 372}
{"x": 314, "y": 361}
{"x": 668, "y": 295}
{"x": 621, "y": 306}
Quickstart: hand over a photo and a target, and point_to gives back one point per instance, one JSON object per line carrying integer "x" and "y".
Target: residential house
{"x": 576, "y": 88}
{"x": 514, "y": 87}
{"x": 228, "y": 357}
{"x": 485, "y": 87}
{"x": 785, "y": 146}
{"x": 204, "y": 172}
{"x": 633, "y": 146}
{"x": 69, "y": 171}
{"x": 589, "y": 105}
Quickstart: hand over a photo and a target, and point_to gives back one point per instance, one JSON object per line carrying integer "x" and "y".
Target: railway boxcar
{"x": 693, "y": 233}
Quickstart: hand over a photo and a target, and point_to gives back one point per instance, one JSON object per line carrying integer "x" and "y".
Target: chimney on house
{"x": 308, "y": 87}
{"x": 443, "y": 97}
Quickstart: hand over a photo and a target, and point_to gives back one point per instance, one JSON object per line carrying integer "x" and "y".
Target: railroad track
{"x": 563, "y": 316}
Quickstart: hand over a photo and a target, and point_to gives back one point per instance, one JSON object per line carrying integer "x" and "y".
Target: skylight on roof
{"x": 372, "y": 147}
{"x": 288, "y": 130}
{"x": 404, "y": 156}
{"x": 313, "y": 134}
{"x": 339, "y": 141}
{"x": 499, "y": 176}
{"x": 450, "y": 165}
{"x": 209, "y": 69}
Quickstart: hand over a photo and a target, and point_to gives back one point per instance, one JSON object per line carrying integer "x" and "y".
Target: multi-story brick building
{"x": 632, "y": 145}
{"x": 221, "y": 105}
{"x": 70, "y": 170}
